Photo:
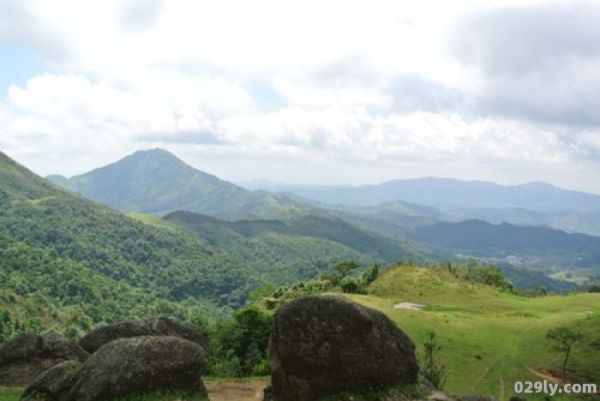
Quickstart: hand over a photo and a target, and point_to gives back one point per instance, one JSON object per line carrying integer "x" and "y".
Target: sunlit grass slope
{"x": 489, "y": 338}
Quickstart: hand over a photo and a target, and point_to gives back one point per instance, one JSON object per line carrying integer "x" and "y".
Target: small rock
{"x": 438, "y": 396}
{"x": 27, "y": 355}
{"x": 53, "y": 384}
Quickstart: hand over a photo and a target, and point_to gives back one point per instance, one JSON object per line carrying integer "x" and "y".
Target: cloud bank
{"x": 342, "y": 91}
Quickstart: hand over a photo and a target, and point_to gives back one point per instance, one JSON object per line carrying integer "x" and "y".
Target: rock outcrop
{"x": 325, "y": 345}
{"x": 140, "y": 364}
{"x": 53, "y": 384}
{"x": 158, "y": 326}
{"x": 27, "y": 355}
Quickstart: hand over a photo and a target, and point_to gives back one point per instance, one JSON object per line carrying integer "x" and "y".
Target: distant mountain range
{"x": 447, "y": 193}
{"x": 455, "y": 200}
{"x": 155, "y": 181}
{"x": 297, "y": 234}
{"x": 544, "y": 248}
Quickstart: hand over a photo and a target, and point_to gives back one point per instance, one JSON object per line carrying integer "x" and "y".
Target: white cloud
{"x": 371, "y": 88}
{"x": 538, "y": 63}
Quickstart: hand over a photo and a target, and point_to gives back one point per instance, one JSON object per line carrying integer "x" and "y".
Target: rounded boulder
{"x": 157, "y": 326}
{"x": 53, "y": 384}
{"x": 324, "y": 345}
{"x": 140, "y": 364}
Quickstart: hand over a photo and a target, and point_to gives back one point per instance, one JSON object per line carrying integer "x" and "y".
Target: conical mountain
{"x": 156, "y": 181}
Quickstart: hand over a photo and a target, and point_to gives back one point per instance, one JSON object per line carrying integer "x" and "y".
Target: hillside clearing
{"x": 488, "y": 336}
{"x": 409, "y": 306}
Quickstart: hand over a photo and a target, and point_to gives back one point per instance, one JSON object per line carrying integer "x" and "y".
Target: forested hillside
{"x": 167, "y": 262}
{"x": 220, "y": 262}
{"x": 41, "y": 291}
{"x": 297, "y": 249}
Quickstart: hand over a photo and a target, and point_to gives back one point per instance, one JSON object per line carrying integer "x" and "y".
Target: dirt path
{"x": 243, "y": 390}
{"x": 544, "y": 375}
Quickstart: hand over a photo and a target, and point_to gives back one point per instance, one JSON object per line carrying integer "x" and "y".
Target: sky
{"x": 336, "y": 92}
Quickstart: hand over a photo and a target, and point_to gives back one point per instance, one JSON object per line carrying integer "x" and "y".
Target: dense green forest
{"x": 40, "y": 291}
{"x": 167, "y": 262}
{"x": 296, "y": 249}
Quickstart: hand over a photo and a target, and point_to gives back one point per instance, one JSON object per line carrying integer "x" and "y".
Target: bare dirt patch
{"x": 243, "y": 390}
{"x": 409, "y": 306}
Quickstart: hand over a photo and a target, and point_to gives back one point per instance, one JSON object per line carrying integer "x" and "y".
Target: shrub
{"x": 432, "y": 370}
{"x": 350, "y": 285}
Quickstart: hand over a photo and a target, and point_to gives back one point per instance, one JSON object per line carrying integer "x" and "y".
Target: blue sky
{"x": 307, "y": 92}
{"x": 18, "y": 65}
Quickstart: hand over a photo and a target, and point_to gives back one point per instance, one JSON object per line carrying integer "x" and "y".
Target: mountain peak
{"x": 153, "y": 151}
{"x": 153, "y": 154}
{"x": 157, "y": 181}
{"x": 154, "y": 162}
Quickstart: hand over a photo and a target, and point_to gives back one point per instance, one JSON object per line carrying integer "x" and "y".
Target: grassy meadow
{"x": 489, "y": 338}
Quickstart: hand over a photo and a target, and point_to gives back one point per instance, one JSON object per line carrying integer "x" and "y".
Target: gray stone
{"x": 140, "y": 364}
{"x": 53, "y": 384}
{"x": 325, "y": 345}
{"x": 157, "y": 326}
{"x": 27, "y": 355}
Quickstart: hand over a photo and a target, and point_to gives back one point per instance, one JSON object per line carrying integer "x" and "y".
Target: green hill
{"x": 155, "y": 181}
{"x": 295, "y": 249}
{"x": 41, "y": 291}
{"x": 490, "y": 338}
{"x": 168, "y": 262}
{"x": 573, "y": 221}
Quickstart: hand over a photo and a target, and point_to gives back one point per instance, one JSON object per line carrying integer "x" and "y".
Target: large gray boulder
{"x": 325, "y": 345}
{"x": 53, "y": 384}
{"x": 27, "y": 355}
{"x": 140, "y": 364}
{"x": 157, "y": 326}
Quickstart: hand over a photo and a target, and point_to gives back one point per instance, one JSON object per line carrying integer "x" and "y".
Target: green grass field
{"x": 10, "y": 394}
{"x": 489, "y": 338}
